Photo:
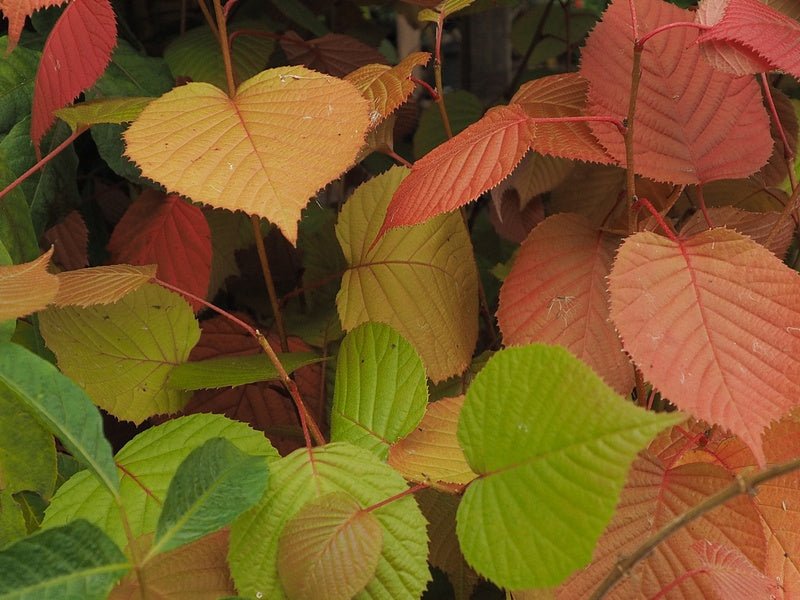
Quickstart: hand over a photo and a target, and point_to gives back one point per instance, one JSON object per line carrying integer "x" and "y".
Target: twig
{"x": 224, "y": 46}
{"x": 267, "y": 273}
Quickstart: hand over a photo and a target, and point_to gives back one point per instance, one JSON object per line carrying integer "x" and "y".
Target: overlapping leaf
{"x": 75, "y": 54}
{"x": 732, "y": 575}
{"x": 17, "y": 74}
{"x": 304, "y": 475}
{"x": 333, "y": 53}
{"x": 239, "y": 153}
{"x": 26, "y": 288}
{"x": 421, "y": 281}
{"x": 100, "y": 285}
{"x": 16, "y": 12}
{"x": 693, "y": 124}
{"x": 122, "y": 353}
{"x": 104, "y": 110}
{"x": 758, "y": 226}
{"x": 711, "y": 321}
{"x": 463, "y": 109}
{"x": 556, "y": 293}
{"x": 70, "y": 239}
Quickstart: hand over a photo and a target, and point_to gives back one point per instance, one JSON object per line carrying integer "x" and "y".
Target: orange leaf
{"x": 26, "y": 288}
{"x": 333, "y": 53}
{"x": 712, "y": 322}
{"x": 100, "y": 285}
{"x": 243, "y": 153}
{"x": 556, "y": 293}
{"x": 693, "y": 124}
{"x": 171, "y": 233}
{"x": 733, "y": 577}
{"x": 70, "y": 238}
{"x": 16, "y": 11}
{"x": 461, "y": 169}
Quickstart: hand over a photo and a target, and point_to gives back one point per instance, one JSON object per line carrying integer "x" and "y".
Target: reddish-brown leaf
{"x": 732, "y": 576}
{"x": 333, "y": 53}
{"x": 556, "y": 293}
{"x": 16, "y": 11}
{"x": 693, "y": 124}
{"x": 70, "y": 238}
{"x": 508, "y": 217}
{"x": 751, "y": 25}
{"x": 755, "y": 225}
{"x": 461, "y": 169}
{"x": 775, "y": 171}
{"x": 75, "y": 54}
{"x": 712, "y": 321}
{"x": 169, "y": 232}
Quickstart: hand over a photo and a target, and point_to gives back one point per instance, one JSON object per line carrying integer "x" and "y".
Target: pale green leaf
{"x": 74, "y": 562}
{"x": 302, "y": 476}
{"x": 147, "y": 464}
{"x": 12, "y": 521}
{"x": 123, "y": 353}
{"x": 381, "y": 392}
{"x": 229, "y": 371}
{"x": 420, "y": 280}
{"x": 104, "y": 110}
{"x": 214, "y": 484}
{"x": 552, "y": 445}
{"x": 62, "y": 407}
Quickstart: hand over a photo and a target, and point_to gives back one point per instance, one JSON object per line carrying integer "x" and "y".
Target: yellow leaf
{"x": 26, "y": 288}
{"x": 285, "y": 134}
{"x": 100, "y": 285}
{"x": 103, "y": 110}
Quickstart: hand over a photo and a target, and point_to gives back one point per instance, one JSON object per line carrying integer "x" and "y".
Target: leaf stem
{"x": 267, "y": 273}
{"x": 702, "y": 202}
{"x": 437, "y": 75}
{"x": 742, "y": 485}
{"x": 630, "y": 175}
{"x": 657, "y": 216}
{"x": 209, "y": 19}
{"x": 412, "y": 490}
{"x": 791, "y": 204}
{"x": 138, "y": 561}
{"x": 646, "y": 37}
{"x": 396, "y": 157}
{"x": 677, "y": 581}
{"x": 224, "y": 46}
{"x": 424, "y": 84}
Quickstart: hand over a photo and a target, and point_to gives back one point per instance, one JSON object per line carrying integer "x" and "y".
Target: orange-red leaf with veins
{"x": 712, "y": 321}
{"x": 75, "y": 54}
{"x": 693, "y": 124}
{"x": 462, "y": 168}
{"x": 556, "y": 293}
{"x": 732, "y": 576}
{"x": 169, "y": 232}
{"x": 70, "y": 238}
{"x": 333, "y": 53}
{"x": 16, "y": 11}
{"x": 263, "y": 405}
{"x": 752, "y": 26}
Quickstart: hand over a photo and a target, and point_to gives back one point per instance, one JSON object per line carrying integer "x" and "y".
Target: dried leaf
{"x": 333, "y": 53}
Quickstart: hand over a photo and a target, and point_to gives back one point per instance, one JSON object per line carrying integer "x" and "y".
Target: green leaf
{"x": 61, "y": 406}
{"x": 300, "y": 15}
{"x": 16, "y": 227}
{"x": 463, "y": 109}
{"x": 323, "y": 261}
{"x": 73, "y": 562}
{"x": 123, "y": 353}
{"x": 212, "y": 486}
{"x": 6, "y": 327}
{"x": 105, "y": 110}
{"x": 229, "y": 371}
{"x": 147, "y": 464}
{"x": 301, "y": 477}
{"x": 196, "y": 54}
{"x": 12, "y": 522}
{"x": 552, "y": 444}
{"x": 17, "y": 73}
{"x": 381, "y": 391}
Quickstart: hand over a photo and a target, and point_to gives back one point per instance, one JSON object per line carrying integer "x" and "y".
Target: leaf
{"x": 26, "y": 288}
{"x": 16, "y": 11}
{"x": 757, "y": 226}
{"x": 693, "y": 124}
{"x": 171, "y": 233}
{"x": 461, "y": 169}
{"x": 750, "y": 24}
{"x": 556, "y": 293}
{"x": 232, "y": 371}
{"x": 561, "y": 32}
{"x": 213, "y": 485}
{"x": 70, "y": 239}
{"x": 74, "y": 561}
{"x": 17, "y": 72}
{"x": 147, "y": 464}
{"x": 381, "y": 391}
{"x": 541, "y": 429}
{"x": 431, "y": 452}
{"x": 305, "y": 475}
{"x": 333, "y": 53}
{"x": 105, "y": 110}
{"x": 775, "y": 172}
{"x": 100, "y": 285}
{"x": 12, "y": 521}
{"x": 197, "y": 571}
{"x": 177, "y": 141}
{"x": 123, "y": 353}
{"x": 535, "y": 175}
{"x": 710, "y": 320}
{"x": 511, "y": 222}
{"x": 463, "y": 109}
{"x": 386, "y": 88}
{"x": 731, "y": 574}
{"x": 422, "y": 281}
{"x": 562, "y": 96}
{"x": 329, "y": 549}
{"x": 301, "y": 15}
{"x": 76, "y": 53}
{"x": 61, "y": 407}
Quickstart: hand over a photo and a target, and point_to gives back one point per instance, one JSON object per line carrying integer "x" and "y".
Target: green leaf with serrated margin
{"x": 542, "y": 430}
{"x": 104, "y": 110}
{"x": 381, "y": 391}
{"x": 17, "y": 72}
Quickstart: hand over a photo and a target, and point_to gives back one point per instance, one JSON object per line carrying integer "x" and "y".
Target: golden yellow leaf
{"x": 26, "y": 288}
{"x": 100, "y": 285}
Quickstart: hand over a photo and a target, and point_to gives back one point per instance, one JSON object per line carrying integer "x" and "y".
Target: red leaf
{"x": 693, "y": 124}
{"x": 462, "y": 168}
{"x": 556, "y": 293}
{"x": 712, "y": 322}
{"x": 16, "y": 11}
{"x": 751, "y": 25}
{"x": 70, "y": 238}
{"x": 75, "y": 54}
{"x": 733, "y": 577}
{"x": 169, "y": 232}
{"x": 333, "y": 53}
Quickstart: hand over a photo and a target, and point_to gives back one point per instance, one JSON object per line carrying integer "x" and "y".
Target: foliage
{"x": 324, "y": 406}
